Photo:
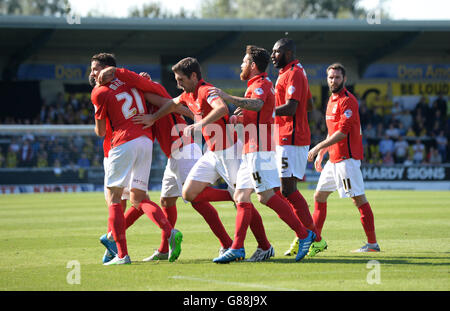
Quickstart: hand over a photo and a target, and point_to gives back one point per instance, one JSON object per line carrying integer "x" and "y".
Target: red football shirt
{"x": 258, "y": 124}
{"x": 167, "y": 130}
{"x": 292, "y": 83}
{"x": 217, "y": 135}
{"x": 107, "y": 139}
{"x": 342, "y": 115}
{"x": 118, "y": 103}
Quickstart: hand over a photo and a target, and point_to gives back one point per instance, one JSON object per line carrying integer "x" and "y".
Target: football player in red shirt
{"x": 293, "y": 100}
{"x": 128, "y": 164}
{"x": 222, "y": 159}
{"x": 258, "y": 170}
{"x": 342, "y": 171}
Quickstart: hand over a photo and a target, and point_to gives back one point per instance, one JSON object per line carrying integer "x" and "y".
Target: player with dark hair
{"x": 293, "y": 100}
{"x": 128, "y": 160}
{"x": 258, "y": 168}
{"x": 342, "y": 171}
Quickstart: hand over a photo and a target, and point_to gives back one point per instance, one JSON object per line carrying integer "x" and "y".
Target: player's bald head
{"x": 286, "y": 44}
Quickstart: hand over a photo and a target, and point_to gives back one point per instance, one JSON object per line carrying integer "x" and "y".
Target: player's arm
{"x": 142, "y": 83}
{"x": 219, "y": 110}
{"x": 159, "y": 101}
{"x": 331, "y": 140}
{"x": 254, "y": 104}
{"x": 288, "y": 109}
{"x": 167, "y": 105}
{"x": 100, "y": 127}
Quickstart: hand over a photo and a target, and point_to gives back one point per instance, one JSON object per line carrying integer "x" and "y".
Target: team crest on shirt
{"x": 259, "y": 91}
{"x": 291, "y": 90}
{"x": 334, "y": 109}
{"x": 348, "y": 113}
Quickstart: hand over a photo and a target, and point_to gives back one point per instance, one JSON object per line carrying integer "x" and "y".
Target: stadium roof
{"x": 37, "y": 38}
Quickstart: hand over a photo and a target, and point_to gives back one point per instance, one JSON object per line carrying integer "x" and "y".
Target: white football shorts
{"x": 344, "y": 176}
{"x": 215, "y": 164}
{"x": 291, "y": 160}
{"x": 130, "y": 164}
{"x": 177, "y": 169}
{"x": 125, "y": 192}
{"x": 258, "y": 170}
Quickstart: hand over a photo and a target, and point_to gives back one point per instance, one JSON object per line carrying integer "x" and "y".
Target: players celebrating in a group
{"x": 344, "y": 145}
{"x": 258, "y": 170}
{"x": 292, "y": 100}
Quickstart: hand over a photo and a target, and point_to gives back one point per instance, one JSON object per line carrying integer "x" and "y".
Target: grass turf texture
{"x": 41, "y": 233}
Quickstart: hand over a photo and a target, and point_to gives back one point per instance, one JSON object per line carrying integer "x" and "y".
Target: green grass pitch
{"x": 43, "y": 235}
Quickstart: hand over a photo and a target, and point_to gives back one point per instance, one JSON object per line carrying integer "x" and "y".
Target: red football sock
{"x": 131, "y": 215}
{"x": 320, "y": 214}
{"x": 154, "y": 212}
{"x": 243, "y": 218}
{"x": 301, "y": 209}
{"x": 211, "y": 217}
{"x": 210, "y": 194}
{"x": 284, "y": 211}
{"x": 116, "y": 222}
{"x": 257, "y": 228}
{"x": 171, "y": 214}
{"x": 367, "y": 221}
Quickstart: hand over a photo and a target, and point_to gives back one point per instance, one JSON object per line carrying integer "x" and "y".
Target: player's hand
{"x": 312, "y": 154}
{"x": 318, "y": 163}
{"x": 214, "y": 91}
{"x": 239, "y": 112}
{"x": 190, "y": 129}
{"x": 146, "y": 119}
{"x": 106, "y": 75}
{"x": 145, "y": 75}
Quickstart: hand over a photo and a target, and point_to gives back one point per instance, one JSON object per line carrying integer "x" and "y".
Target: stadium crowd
{"x": 392, "y": 134}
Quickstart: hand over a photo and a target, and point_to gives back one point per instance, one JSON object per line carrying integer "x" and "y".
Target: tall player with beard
{"x": 292, "y": 103}
{"x": 258, "y": 167}
{"x": 342, "y": 171}
{"x": 128, "y": 159}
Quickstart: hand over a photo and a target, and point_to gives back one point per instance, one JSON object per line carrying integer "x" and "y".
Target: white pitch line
{"x": 232, "y": 283}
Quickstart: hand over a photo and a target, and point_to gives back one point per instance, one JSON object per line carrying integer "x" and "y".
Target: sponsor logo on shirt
{"x": 291, "y": 90}
{"x": 259, "y": 91}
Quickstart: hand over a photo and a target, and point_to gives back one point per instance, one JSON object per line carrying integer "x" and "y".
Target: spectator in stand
{"x": 419, "y": 127}
{"x": 401, "y": 129}
{"x": 441, "y": 105}
{"x": 418, "y": 152}
{"x": 370, "y": 132}
{"x": 365, "y": 113}
{"x": 84, "y": 162}
{"x": 388, "y": 159}
{"x": 386, "y": 145}
{"x": 406, "y": 119}
{"x": 434, "y": 157}
{"x": 376, "y": 106}
{"x": 386, "y": 108}
{"x": 396, "y": 111}
{"x": 409, "y": 161}
{"x": 11, "y": 158}
{"x": 26, "y": 155}
{"x": 442, "y": 144}
{"x": 410, "y": 133}
{"x": 380, "y": 130}
{"x": 392, "y": 131}
{"x": 2, "y": 158}
{"x": 401, "y": 149}
{"x": 42, "y": 159}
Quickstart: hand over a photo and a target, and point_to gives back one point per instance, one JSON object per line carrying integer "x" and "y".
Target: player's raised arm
{"x": 167, "y": 105}
{"x": 254, "y": 104}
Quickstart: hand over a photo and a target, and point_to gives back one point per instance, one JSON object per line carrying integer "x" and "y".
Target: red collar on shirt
{"x": 262, "y": 75}
{"x": 288, "y": 66}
